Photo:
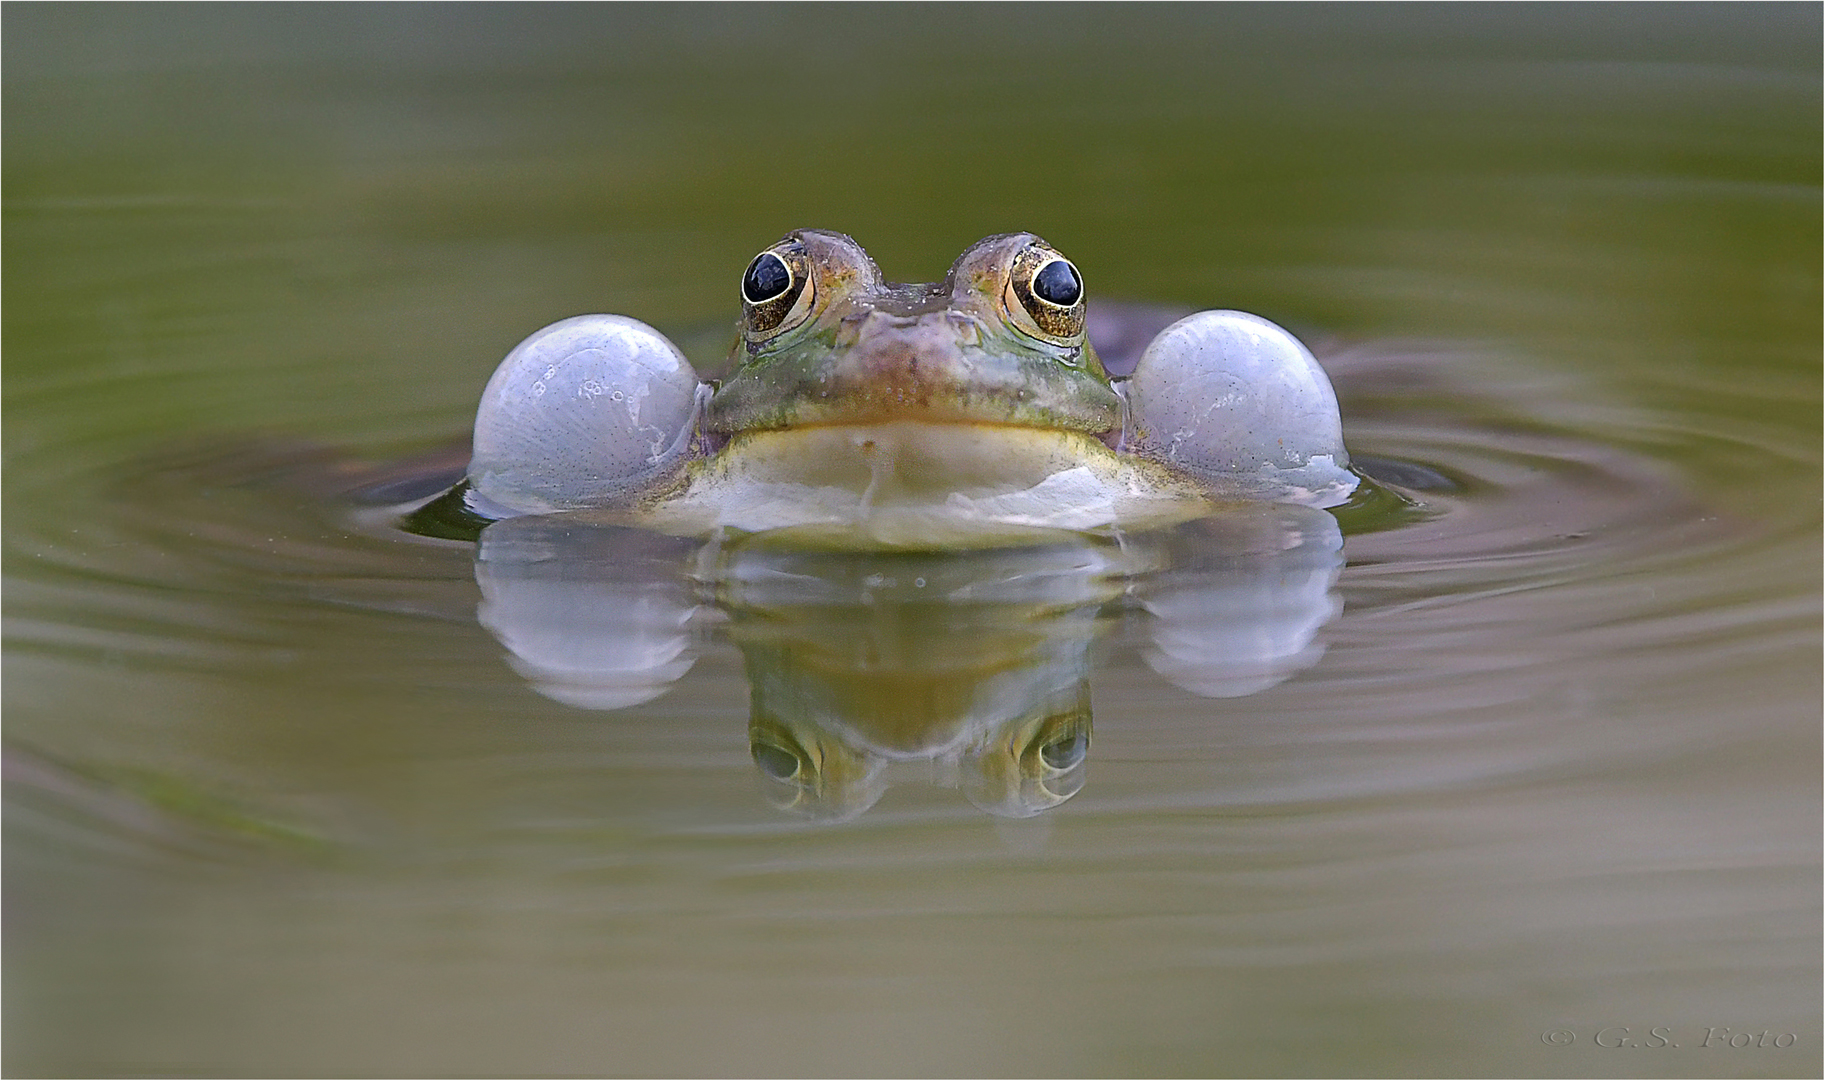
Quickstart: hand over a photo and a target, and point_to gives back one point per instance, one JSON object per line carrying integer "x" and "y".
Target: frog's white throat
{"x": 914, "y": 484}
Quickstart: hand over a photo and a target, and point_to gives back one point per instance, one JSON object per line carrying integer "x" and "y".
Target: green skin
{"x": 855, "y": 350}
{"x": 964, "y": 413}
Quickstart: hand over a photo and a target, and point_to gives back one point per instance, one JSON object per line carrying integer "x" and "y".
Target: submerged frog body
{"x": 906, "y": 415}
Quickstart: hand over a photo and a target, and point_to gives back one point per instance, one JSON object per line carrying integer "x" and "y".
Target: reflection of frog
{"x": 977, "y": 661}
{"x": 905, "y": 415}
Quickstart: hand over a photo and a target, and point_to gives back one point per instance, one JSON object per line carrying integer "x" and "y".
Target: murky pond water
{"x": 1511, "y": 767}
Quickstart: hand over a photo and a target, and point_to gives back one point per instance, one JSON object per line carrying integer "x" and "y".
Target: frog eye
{"x": 1057, "y": 283}
{"x": 1041, "y": 764}
{"x": 1057, "y": 747}
{"x": 771, "y": 288}
{"x": 1065, "y": 753}
{"x": 767, "y": 278}
{"x": 778, "y": 762}
{"x": 1049, "y": 294}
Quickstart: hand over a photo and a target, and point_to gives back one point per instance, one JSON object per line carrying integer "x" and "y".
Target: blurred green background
{"x": 404, "y": 191}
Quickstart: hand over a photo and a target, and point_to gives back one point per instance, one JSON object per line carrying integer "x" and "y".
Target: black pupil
{"x": 766, "y": 278}
{"x": 1064, "y": 753}
{"x": 1057, "y": 283}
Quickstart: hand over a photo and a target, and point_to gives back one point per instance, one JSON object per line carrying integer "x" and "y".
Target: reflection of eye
{"x": 776, "y": 761}
{"x": 1058, "y": 283}
{"x": 1065, "y": 753}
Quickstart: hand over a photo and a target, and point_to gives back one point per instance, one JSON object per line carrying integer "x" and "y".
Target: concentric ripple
{"x": 1500, "y": 555}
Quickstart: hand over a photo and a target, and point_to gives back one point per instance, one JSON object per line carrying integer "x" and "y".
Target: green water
{"x": 279, "y": 802}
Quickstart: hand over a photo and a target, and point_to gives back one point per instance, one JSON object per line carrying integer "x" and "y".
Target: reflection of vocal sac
{"x": 976, "y": 661}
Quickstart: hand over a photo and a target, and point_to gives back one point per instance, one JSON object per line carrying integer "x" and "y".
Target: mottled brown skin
{"x": 845, "y": 347}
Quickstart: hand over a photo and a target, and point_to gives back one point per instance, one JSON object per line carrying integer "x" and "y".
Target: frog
{"x": 968, "y": 411}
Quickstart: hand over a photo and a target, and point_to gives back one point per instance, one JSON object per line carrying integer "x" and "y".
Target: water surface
{"x": 1538, "y": 753}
